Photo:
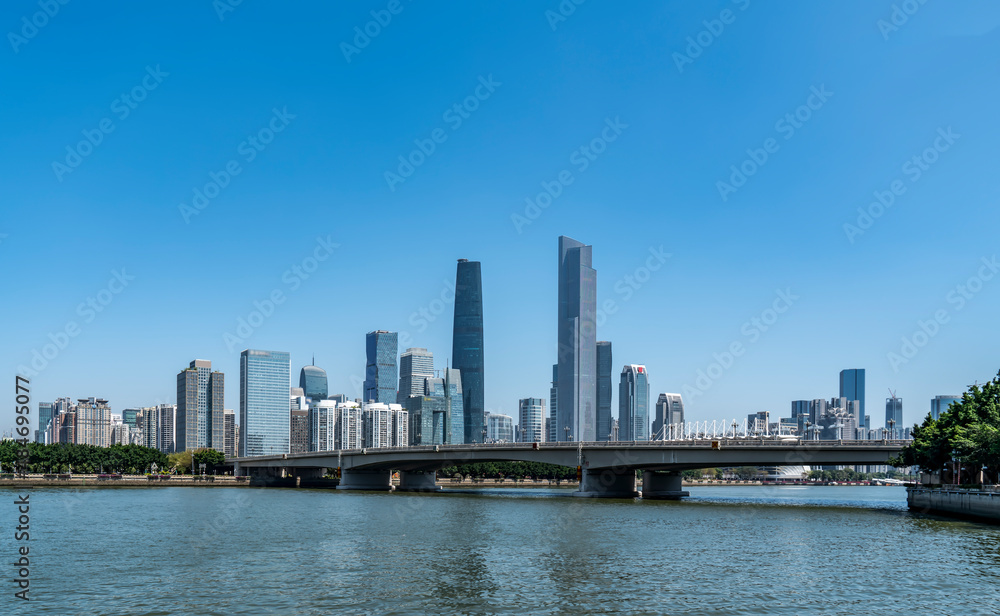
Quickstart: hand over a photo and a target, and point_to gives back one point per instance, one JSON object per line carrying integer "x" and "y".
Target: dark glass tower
{"x": 576, "y": 416}
{"x": 852, "y": 387}
{"x": 467, "y": 347}
{"x": 312, "y": 380}
{"x": 381, "y": 376}
{"x": 604, "y": 390}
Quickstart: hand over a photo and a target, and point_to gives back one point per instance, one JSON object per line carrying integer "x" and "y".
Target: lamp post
{"x": 567, "y": 433}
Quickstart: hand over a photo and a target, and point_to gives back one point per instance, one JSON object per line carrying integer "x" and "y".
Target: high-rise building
{"x": 322, "y": 425}
{"x": 347, "y": 426}
{"x": 499, "y": 428}
{"x": 550, "y": 421}
{"x": 467, "y": 348}
{"x": 381, "y": 377}
{"x": 45, "y": 415}
{"x": 800, "y": 413}
{"x": 93, "y": 422}
{"x": 436, "y": 418}
{"x": 166, "y": 422}
{"x": 415, "y": 365}
{"x": 852, "y": 387}
{"x": 604, "y": 370}
{"x": 376, "y": 424}
{"x": 298, "y": 431}
{"x": 633, "y": 404}
{"x": 128, "y": 417}
{"x": 400, "y": 426}
{"x": 200, "y": 401}
{"x": 669, "y": 417}
{"x": 531, "y": 417}
{"x": 939, "y": 404}
{"x": 145, "y": 419}
{"x": 576, "y": 414}
{"x": 66, "y": 429}
{"x": 229, "y": 436}
{"x": 894, "y": 416}
{"x": 264, "y": 407}
{"x": 312, "y": 380}
{"x": 454, "y": 391}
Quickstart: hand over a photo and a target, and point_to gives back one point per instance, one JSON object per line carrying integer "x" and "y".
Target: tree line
{"x": 61, "y": 457}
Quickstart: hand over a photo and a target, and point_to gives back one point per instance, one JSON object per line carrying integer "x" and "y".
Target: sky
{"x": 774, "y": 192}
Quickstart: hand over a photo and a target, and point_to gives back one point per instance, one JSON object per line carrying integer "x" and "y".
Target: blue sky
{"x": 668, "y": 99}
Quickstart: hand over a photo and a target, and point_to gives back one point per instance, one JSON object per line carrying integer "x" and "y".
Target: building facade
{"x": 229, "y": 432}
{"x": 604, "y": 390}
{"x": 45, "y": 415}
{"x": 576, "y": 413}
{"x": 552, "y": 420}
{"x": 415, "y": 365}
{"x": 322, "y": 425}
{"x": 633, "y": 404}
{"x": 852, "y": 387}
{"x": 531, "y": 418}
{"x": 200, "y": 402}
{"x": 467, "y": 347}
{"x": 264, "y": 404}
{"x": 381, "y": 377}
{"x": 312, "y": 381}
{"x": 669, "y": 417}
{"x": 499, "y": 428}
{"x": 939, "y": 404}
{"x": 894, "y": 416}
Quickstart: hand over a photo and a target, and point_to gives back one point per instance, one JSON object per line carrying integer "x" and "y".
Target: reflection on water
{"x": 726, "y": 550}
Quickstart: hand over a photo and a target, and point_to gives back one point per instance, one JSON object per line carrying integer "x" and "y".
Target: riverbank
{"x": 121, "y": 481}
{"x": 982, "y": 504}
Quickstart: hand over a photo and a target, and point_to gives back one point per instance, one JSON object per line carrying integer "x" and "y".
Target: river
{"x": 724, "y": 550}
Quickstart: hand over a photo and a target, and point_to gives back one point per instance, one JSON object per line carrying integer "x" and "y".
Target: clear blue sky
{"x": 684, "y": 115}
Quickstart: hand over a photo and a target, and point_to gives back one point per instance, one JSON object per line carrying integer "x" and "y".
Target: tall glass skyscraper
{"x": 633, "y": 404}
{"x": 940, "y": 404}
{"x": 604, "y": 369}
{"x": 415, "y": 365}
{"x": 200, "y": 402}
{"x": 668, "y": 417}
{"x": 45, "y": 415}
{"x": 531, "y": 415}
{"x": 467, "y": 347}
{"x": 852, "y": 387}
{"x": 894, "y": 416}
{"x": 312, "y": 380}
{"x": 381, "y": 377}
{"x": 264, "y": 408}
{"x": 576, "y": 415}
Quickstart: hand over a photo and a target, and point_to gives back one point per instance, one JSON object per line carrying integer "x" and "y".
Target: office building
{"x": 229, "y": 433}
{"x": 264, "y": 403}
{"x": 200, "y": 401}
{"x": 550, "y": 421}
{"x": 454, "y": 391}
{"x": 531, "y": 418}
{"x": 576, "y": 414}
{"x": 415, "y": 365}
{"x": 633, "y": 404}
{"x": 499, "y": 428}
{"x": 166, "y": 434}
{"x": 312, "y": 381}
{"x": 467, "y": 348}
{"x": 45, "y": 415}
{"x": 669, "y": 417}
{"x": 894, "y": 416}
{"x": 381, "y": 377}
{"x": 604, "y": 369}
{"x": 92, "y": 418}
{"x": 129, "y": 417}
{"x": 939, "y": 404}
{"x": 852, "y": 387}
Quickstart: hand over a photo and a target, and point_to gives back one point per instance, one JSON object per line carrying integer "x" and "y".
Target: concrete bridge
{"x": 607, "y": 468}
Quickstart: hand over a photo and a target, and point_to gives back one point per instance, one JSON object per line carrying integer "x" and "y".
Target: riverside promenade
{"x": 978, "y": 504}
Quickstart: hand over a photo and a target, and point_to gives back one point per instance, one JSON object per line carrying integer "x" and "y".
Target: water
{"x": 726, "y": 550}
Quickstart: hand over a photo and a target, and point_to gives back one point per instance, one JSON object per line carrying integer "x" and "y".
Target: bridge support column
{"x": 365, "y": 480}
{"x": 607, "y": 483}
{"x": 417, "y": 481}
{"x": 662, "y": 486}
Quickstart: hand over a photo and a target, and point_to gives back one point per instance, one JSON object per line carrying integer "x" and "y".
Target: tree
{"x": 211, "y": 458}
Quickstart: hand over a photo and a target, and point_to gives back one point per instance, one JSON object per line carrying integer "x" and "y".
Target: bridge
{"x": 608, "y": 469}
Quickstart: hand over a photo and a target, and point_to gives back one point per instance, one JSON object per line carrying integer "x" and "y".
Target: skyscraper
{"x": 576, "y": 415}
{"x": 604, "y": 369}
{"x": 322, "y": 425}
{"x": 467, "y": 347}
{"x": 499, "y": 428}
{"x": 894, "y": 416}
{"x": 415, "y": 365}
{"x": 939, "y": 404}
{"x": 166, "y": 428}
{"x": 852, "y": 387}
{"x": 531, "y": 417}
{"x": 633, "y": 404}
{"x": 200, "y": 402}
{"x": 312, "y": 380}
{"x": 45, "y": 415}
{"x": 298, "y": 431}
{"x": 550, "y": 421}
{"x": 264, "y": 403}
{"x": 669, "y": 415}
{"x": 92, "y": 422}
{"x": 229, "y": 432}
{"x": 381, "y": 378}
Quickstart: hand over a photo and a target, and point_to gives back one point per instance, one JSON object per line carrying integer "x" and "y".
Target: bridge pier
{"x": 365, "y": 480}
{"x": 662, "y": 486}
{"x": 417, "y": 481}
{"x": 607, "y": 483}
